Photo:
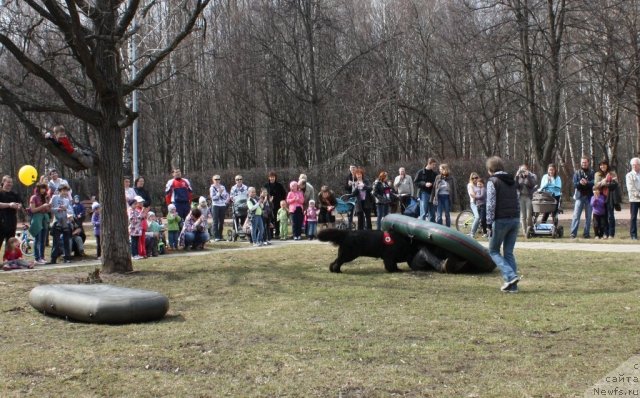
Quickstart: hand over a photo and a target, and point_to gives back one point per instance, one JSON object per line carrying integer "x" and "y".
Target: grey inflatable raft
{"x": 99, "y": 303}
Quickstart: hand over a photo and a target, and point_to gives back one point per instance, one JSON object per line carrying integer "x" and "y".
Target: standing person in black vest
{"x": 10, "y": 203}
{"x": 424, "y": 181}
{"x": 503, "y": 218}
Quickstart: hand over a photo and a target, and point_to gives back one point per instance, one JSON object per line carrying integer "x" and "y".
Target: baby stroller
{"x": 240, "y": 211}
{"x": 344, "y": 207}
{"x": 544, "y": 202}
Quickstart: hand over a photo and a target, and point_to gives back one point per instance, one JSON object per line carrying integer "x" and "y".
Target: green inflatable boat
{"x": 99, "y": 303}
{"x": 442, "y": 237}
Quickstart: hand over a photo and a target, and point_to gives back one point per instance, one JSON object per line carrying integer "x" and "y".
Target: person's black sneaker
{"x": 67, "y": 261}
{"x": 508, "y": 285}
{"x": 513, "y": 289}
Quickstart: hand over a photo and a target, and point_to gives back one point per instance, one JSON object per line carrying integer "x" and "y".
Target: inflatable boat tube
{"x": 99, "y": 303}
{"x": 443, "y": 237}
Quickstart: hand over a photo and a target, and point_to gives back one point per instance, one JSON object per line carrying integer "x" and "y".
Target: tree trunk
{"x": 116, "y": 256}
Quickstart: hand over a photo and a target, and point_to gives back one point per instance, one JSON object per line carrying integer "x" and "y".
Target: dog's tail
{"x": 333, "y": 235}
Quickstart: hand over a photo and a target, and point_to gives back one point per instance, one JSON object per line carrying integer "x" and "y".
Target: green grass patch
{"x": 275, "y": 322}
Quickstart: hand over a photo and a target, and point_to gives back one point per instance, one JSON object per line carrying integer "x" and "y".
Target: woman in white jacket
{"x": 633, "y": 187}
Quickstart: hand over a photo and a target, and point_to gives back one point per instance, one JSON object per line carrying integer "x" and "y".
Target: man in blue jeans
{"x": 424, "y": 181}
{"x": 583, "y": 183}
{"x": 503, "y": 217}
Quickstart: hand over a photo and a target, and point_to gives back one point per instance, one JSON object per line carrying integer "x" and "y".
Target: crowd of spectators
{"x": 273, "y": 210}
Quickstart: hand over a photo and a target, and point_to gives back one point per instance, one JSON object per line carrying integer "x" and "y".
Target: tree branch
{"x": 159, "y": 56}
{"x": 127, "y": 17}
{"x": 11, "y": 101}
{"x": 81, "y": 111}
{"x": 76, "y": 39}
{"x": 7, "y": 98}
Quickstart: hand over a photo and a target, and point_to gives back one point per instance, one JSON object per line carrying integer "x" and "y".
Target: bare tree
{"x": 75, "y": 45}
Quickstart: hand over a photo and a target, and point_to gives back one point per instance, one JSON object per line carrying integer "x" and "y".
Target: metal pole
{"x": 134, "y": 105}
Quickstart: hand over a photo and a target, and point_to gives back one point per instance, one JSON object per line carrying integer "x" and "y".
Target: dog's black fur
{"x": 353, "y": 244}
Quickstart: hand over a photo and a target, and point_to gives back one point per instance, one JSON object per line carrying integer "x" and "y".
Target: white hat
{"x": 202, "y": 200}
{"x": 151, "y": 214}
{"x": 95, "y": 205}
{"x": 139, "y": 199}
{"x": 171, "y": 207}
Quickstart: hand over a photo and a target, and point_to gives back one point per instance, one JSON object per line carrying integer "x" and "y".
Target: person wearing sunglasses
{"x": 219, "y": 199}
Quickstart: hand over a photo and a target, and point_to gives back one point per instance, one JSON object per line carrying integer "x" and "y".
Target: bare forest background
{"x": 315, "y": 85}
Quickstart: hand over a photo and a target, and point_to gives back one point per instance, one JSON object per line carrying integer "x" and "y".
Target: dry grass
{"x": 275, "y": 322}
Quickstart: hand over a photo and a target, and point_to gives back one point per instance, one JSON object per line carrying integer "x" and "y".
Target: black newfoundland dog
{"x": 393, "y": 248}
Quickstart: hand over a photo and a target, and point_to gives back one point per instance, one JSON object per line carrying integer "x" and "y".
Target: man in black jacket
{"x": 424, "y": 181}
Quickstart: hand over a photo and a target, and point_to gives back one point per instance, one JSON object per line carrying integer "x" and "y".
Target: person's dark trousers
{"x": 151, "y": 245}
{"x": 61, "y": 240}
{"x": 98, "y": 246}
{"x": 381, "y": 211}
{"x": 431, "y": 212}
{"x": 482, "y": 210}
{"x": 611, "y": 219}
{"x": 425, "y": 211}
{"x": 268, "y": 231}
{"x": 350, "y": 216}
{"x": 296, "y": 222}
{"x": 183, "y": 209}
{"x": 634, "y": 207}
{"x": 5, "y": 234}
{"x": 218, "y": 220}
{"x": 276, "y": 223}
{"x": 600, "y": 227}
{"x": 364, "y": 219}
{"x": 135, "y": 241}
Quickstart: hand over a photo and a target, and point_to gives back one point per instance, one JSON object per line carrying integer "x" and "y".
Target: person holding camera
{"x": 583, "y": 181}
{"x": 526, "y": 182}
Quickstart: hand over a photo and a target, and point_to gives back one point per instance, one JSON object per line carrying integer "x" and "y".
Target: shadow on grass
{"x": 171, "y": 318}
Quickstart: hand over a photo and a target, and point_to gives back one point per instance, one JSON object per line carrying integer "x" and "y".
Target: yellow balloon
{"x": 28, "y": 175}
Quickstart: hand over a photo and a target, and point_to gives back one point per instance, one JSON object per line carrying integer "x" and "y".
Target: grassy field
{"x": 274, "y": 322}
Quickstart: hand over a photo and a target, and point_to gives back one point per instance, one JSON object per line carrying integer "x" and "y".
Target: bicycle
{"x": 27, "y": 242}
{"x": 464, "y": 221}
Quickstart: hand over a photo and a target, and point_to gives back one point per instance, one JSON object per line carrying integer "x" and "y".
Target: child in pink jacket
{"x": 295, "y": 200}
